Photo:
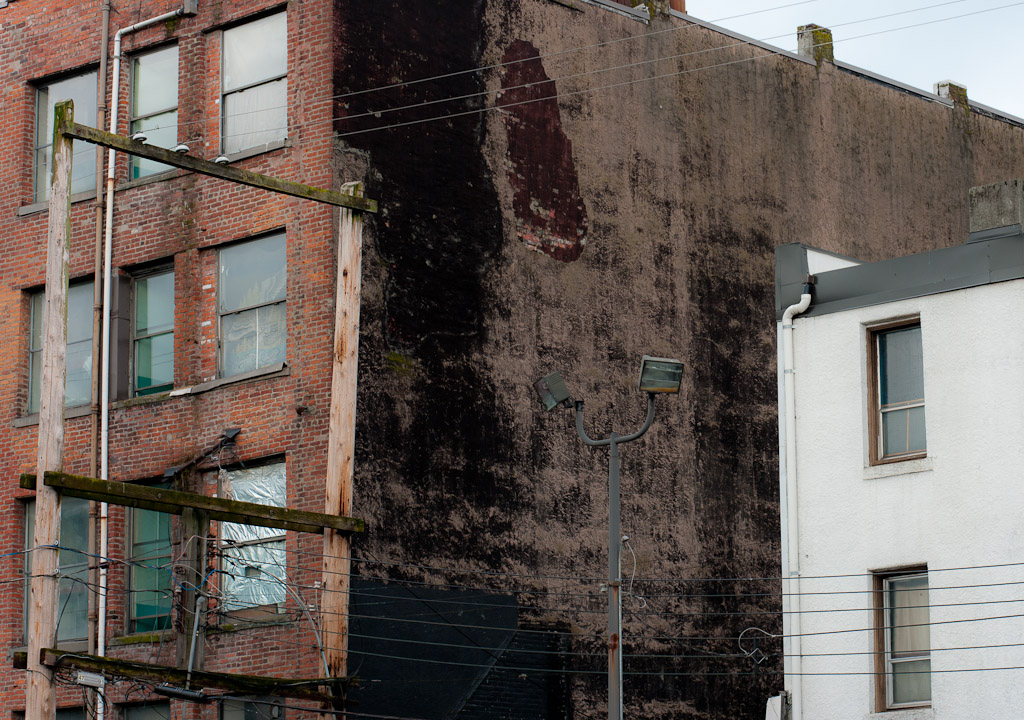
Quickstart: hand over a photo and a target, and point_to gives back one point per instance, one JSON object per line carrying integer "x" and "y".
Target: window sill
{"x": 149, "y": 179}
{"x": 259, "y": 150}
{"x": 141, "y": 638}
{"x": 903, "y": 467}
{"x": 270, "y": 371}
{"x": 924, "y": 712}
{"x": 41, "y": 207}
{"x": 71, "y": 412}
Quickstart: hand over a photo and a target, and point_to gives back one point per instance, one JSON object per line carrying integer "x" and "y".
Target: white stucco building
{"x": 901, "y": 415}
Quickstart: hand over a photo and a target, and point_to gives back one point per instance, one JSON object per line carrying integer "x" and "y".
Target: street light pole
{"x": 614, "y": 551}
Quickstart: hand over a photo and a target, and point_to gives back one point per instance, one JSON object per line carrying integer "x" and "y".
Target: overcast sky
{"x": 979, "y": 49}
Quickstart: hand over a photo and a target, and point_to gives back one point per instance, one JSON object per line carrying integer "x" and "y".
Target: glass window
{"x": 251, "y": 304}
{"x": 899, "y": 404}
{"x": 907, "y": 647}
{"x": 153, "y": 333}
{"x": 154, "y": 107}
{"x": 149, "y": 711}
{"x": 252, "y": 709}
{"x": 255, "y": 83}
{"x": 78, "y": 380}
{"x": 73, "y": 564}
{"x": 151, "y": 591}
{"x": 253, "y": 559}
{"x": 81, "y": 89}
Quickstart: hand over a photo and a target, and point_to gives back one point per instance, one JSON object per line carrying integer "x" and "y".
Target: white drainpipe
{"x": 793, "y": 664}
{"x": 101, "y": 625}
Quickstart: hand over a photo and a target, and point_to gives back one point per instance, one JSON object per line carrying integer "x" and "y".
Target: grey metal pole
{"x": 614, "y": 552}
{"x": 614, "y": 583}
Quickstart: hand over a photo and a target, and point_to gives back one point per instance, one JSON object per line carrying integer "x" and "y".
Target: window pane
{"x": 73, "y": 598}
{"x": 238, "y": 339}
{"x": 149, "y": 711}
{"x": 155, "y": 82}
{"x": 253, "y": 273}
{"x": 254, "y": 572}
{"x": 36, "y": 339}
{"x": 154, "y": 364}
{"x": 256, "y": 116}
{"x": 911, "y": 682}
{"x": 162, "y": 131}
{"x": 255, "y": 51}
{"x": 78, "y": 357}
{"x": 80, "y": 312}
{"x": 81, "y": 89}
{"x": 78, "y": 381}
{"x": 908, "y": 602}
{"x": 271, "y": 334}
{"x": 901, "y": 365}
{"x": 154, "y": 304}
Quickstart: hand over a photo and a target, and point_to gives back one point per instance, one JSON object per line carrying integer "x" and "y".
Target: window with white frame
{"x": 254, "y": 83}
{"x": 253, "y": 557}
{"x": 153, "y": 332}
{"x": 154, "y": 106}
{"x": 82, "y": 90}
{"x": 251, "y": 304}
{"x": 897, "y": 392}
{"x": 78, "y": 378}
{"x": 903, "y": 638}
{"x": 73, "y": 567}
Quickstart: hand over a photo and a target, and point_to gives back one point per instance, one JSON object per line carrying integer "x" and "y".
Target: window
{"x": 78, "y": 380}
{"x": 903, "y": 669}
{"x": 255, "y": 83}
{"x": 154, "y": 107}
{"x": 150, "y": 588}
{"x": 897, "y": 393}
{"x": 149, "y": 711}
{"x": 153, "y": 333}
{"x": 253, "y": 559}
{"x": 81, "y": 89}
{"x": 73, "y": 564}
{"x": 251, "y": 304}
{"x": 252, "y": 709}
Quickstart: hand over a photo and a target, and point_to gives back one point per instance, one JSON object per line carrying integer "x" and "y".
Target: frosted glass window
{"x": 254, "y": 83}
{"x": 908, "y": 640}
{"x": 154, "y": 333}
{"x": 900, "y": 368}
{"x": 82, "y": 90}
{"x": 78, "y": 380}
{"x": 253, "y": 559}
{"x": 73, "y": 567}
{"x": 251, "y": 303}
{"x": 154, "y": 108}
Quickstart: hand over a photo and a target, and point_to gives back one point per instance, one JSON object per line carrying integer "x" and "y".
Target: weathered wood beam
{"x": 173, "y": 502}
{"x": 224, "y": 172}
{"x": 300, "y": 688}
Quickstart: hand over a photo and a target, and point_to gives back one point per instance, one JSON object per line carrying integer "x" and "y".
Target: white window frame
{"x": 226, "y": 147}
{"x": 876, "y": 411}
{"x": 136, "y": 337}
{"x": 83, "y": 173}
{"x": 133, "y": 119}
{"x": 34, "y": 389}
{"x": 884, "y": 624}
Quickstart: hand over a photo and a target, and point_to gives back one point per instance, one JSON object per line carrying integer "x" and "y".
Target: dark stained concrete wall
{"x": 680, "y": 189}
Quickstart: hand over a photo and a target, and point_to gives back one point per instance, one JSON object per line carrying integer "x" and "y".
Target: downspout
{"x": 793, "y": 664}
{"x": 101, "y": 630}
{"x": 97, "y": 309}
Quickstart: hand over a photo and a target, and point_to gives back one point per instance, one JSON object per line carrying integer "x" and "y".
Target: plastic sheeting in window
{"x": 253, "y": 556}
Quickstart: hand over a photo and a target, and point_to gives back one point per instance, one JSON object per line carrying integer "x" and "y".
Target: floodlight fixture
{"x": 552, "y": 391}
{"x": 660, "y": 375}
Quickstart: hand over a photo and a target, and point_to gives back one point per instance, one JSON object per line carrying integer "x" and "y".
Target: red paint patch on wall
{"x": 550, "y": 215}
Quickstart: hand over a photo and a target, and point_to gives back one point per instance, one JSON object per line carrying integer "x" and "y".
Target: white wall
{"x": 963, "y": 505}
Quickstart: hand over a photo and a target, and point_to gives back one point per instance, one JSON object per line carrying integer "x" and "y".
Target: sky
{"x": 978, "y": 46}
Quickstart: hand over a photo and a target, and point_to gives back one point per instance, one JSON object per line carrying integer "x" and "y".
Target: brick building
{"x": 555, "y": 209}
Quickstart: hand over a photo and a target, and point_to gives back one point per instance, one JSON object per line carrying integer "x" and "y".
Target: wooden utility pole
{"x": 342, "y": 435}
{"x": 40, "y": 690}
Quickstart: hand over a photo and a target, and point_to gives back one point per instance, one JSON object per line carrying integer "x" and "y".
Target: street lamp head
{"x": 552, "y": 391}
{"x": 660, "y": 375}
